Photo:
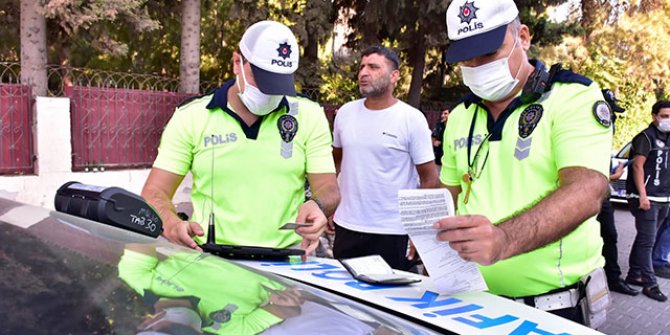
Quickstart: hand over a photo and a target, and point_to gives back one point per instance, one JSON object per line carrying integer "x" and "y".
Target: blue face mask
{"x": 256, "y": 101}
{"x": 491, "y": 81}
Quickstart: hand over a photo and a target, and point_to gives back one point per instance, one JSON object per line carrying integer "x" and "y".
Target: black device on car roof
{"x": 110, "y": 205}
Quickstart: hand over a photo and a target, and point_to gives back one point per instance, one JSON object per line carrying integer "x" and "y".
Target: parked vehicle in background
{"x": 618, "y": 187}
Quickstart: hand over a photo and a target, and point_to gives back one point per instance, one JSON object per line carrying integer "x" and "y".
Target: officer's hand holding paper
{"x": 419, "y": 209}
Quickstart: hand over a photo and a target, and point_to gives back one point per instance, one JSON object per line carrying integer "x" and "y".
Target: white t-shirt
{"x": 380, "y": 151}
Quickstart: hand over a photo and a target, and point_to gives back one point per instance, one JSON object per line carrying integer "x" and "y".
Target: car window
{"x": 624, "y": 153}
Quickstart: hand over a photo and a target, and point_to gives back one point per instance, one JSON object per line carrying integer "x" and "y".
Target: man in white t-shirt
{"x": 381, "y": 145}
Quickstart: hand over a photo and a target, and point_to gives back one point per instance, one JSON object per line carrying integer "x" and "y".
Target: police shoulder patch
{"x": 529, "y": 119}
{"x": 602, "y": 113}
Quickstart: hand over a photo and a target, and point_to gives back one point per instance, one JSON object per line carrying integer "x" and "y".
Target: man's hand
{"x": 330, "y": 226}
{"x": 617, "y": 172}
{"x": 645, "y": 204}
{"x": 638, "y": 179}
{"x": 310, "y": 212}
{"x": 474, "y": 237}
{"x": 158, "y": 191}
{"x": 411, "y": 251}
{"x": 182, "y": 232}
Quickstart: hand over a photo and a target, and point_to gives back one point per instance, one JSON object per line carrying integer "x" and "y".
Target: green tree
{"x": 411, "y": 27}
{"x": 9, "y": 31}
{"x": 624, "y": 49}
{"x": 92, "y": 24}
{"x": 310, "y": 20}
{"x": 418, "y": 30}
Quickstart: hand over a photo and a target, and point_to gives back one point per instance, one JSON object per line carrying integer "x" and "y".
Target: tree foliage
{"x": 9, "y": 31}
{"x": 624, "y": 48}
{"x": 310, "y": 20}
{"x": 92, "y": 24}
{"x": 618, "y": 43}
{"x": 411, "y": 27}
{"x": 417, "y": 29}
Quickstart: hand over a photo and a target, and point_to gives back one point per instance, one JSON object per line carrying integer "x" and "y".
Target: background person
{"x": 381, "y": 145}
{"x": 606, "y": 218}
{"x": 659, "y": 257}
{"x": 648, "y": 190}
{"x": 249, "y": 149}
{"x": 438, "y": 135}
{"x": 526, "y": 189}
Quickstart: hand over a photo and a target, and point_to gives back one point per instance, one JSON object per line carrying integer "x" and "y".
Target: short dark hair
{"x": 383, "y": 51}
{"x": 659, "y": 105}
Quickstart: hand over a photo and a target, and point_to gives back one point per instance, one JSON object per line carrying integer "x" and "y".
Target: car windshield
{"x": 624, "y": 153}
{"x": 64, "y": 275}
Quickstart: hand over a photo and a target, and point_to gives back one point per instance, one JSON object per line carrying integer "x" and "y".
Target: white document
{"x": 419, "y": 209}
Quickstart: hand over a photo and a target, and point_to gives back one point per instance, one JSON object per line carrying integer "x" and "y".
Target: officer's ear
{"x": 237, "y": 62}
{"x": 524, "y": 37}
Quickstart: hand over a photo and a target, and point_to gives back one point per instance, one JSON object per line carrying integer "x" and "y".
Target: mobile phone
{"x": 292, "y": 225}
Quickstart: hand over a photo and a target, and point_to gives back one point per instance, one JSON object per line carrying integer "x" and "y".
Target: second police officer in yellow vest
{"x": 526, "y": 159}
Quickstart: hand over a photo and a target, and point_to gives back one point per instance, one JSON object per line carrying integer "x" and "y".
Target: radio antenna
{"x": 211, "y": 239}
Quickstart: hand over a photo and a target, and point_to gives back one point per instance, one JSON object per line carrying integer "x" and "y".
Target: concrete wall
{"x": 54, "y": 162}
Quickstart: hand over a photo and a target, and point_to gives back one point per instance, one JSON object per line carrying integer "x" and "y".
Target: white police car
{"x": 618, "y": 187}
{"x": 62, "y": 274}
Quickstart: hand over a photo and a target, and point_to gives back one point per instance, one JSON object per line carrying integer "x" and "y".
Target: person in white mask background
{"x": 249, "y": 145}
{"x": 526, "y": 159}
{"x": 648, "y": 189}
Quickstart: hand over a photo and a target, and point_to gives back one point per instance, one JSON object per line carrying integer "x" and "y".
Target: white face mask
{"x": 256, "y": 101}
{"x": 491, "y": 81}
{"x": 664, "y": 125}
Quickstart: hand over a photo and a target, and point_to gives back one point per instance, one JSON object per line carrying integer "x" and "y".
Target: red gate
{"x": 116, "y": 128}
{"x": 16, "y": 135}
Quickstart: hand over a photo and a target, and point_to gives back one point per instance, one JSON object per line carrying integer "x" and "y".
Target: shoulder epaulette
{"x": 567, "y": 76}
{"x": 195, "y": 97}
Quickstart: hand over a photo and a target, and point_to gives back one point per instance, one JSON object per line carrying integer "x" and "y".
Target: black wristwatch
{"x": 318, "y": 203}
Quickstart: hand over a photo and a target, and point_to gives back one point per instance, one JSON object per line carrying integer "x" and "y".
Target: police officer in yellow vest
{"x": 526, "y": 158}
{"x": 249, "y": 146}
